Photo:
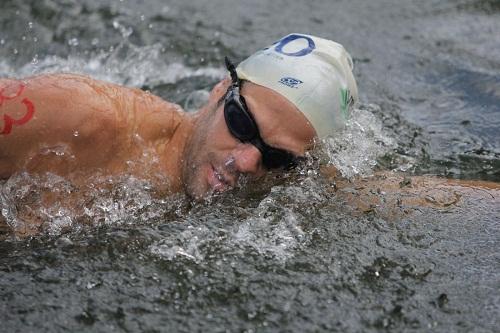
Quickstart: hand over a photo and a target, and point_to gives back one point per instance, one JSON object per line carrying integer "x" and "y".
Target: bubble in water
{"x": 2, "y": 41}
{"x": 76, "y": 133}
{"x": 15, "y": 51}
{"x": 30, "y": 25}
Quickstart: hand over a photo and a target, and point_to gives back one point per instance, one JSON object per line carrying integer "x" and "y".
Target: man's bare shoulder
{"x": 134, "y": 109}
{"x": 94, "y": 121}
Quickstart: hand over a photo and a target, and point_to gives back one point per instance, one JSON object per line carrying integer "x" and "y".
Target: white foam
{"x": 126, "y": 64}
{"x": 355, "y": 150}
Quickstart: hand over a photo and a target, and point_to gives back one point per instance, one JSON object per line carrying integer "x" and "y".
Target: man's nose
{"x": 248, "y": 159}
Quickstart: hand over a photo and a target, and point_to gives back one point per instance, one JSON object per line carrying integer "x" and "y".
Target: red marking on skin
{"x": 9, "y": 121}
{"x": 8, "y": 98}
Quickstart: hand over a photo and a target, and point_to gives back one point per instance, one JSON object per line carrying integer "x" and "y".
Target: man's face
{"x": 215, "y": 159}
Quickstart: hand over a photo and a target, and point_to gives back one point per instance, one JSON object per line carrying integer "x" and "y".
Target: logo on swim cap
{"x": 298, "y": 53}
{"x": 345, "y": 100}
{"x": 290, "y": 82}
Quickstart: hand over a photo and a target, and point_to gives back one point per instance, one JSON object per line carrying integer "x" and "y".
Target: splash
{"x": 50, "y": 204}
{"x": 274, "y": 229}
{"x": 355, "y": 150}
{"x": 125, "y": 64}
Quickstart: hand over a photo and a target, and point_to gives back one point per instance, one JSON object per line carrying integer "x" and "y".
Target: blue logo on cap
{"x": 290, "y": 82}
{"x": 300, "y": 53}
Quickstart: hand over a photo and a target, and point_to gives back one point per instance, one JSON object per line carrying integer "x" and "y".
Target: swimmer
{"x": 265, "y": 115}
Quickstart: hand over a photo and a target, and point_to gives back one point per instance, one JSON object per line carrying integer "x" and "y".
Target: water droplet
{"x": 73, "y": 42}
{"x": 123, "y": 30}
{"x": 64, "y": 242}
{"x": 34, "y": 61}
{"x": 76, "y": 133}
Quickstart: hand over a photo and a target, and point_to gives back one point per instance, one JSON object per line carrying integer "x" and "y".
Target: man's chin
{"x": 207, "y": 184}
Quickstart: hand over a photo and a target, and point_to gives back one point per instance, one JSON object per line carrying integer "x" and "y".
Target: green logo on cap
{"x": 344, "y": 102}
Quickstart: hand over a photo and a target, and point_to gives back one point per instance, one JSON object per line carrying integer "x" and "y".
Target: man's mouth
{"x": 219, "y": 180}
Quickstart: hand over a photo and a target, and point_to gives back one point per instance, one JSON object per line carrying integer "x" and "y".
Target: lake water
{"x": 284, "y": 255}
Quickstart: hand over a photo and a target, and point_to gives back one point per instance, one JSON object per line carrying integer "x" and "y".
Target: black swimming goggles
{"x": 242, "y": 126}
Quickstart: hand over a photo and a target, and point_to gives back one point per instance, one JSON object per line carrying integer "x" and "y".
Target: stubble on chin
{"x": 192, "y": 166}
{"x": 195, "y": 157}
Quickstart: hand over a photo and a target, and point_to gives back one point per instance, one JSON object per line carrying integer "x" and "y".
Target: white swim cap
{"x": 313, "y": 73}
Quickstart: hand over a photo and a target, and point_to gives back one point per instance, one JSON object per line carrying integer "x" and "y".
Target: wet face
{"x": 214, "y": 159}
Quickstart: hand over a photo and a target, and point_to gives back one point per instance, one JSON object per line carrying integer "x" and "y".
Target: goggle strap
{"x": 232, "y": 71}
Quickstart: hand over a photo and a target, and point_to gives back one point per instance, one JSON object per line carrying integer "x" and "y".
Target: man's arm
{"x": 392, "y": 196}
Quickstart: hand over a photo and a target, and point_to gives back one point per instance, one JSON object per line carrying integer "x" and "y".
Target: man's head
{"x": 313, "y": 73}
{"x": 289, "y": 102}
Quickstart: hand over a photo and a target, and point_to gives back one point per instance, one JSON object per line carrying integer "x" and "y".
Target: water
{"x": 286, "y": 254}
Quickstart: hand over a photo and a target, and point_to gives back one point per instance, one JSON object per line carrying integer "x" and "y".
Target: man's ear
{"x": 219, "y": 90}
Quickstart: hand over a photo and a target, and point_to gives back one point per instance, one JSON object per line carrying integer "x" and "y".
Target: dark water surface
{"x": 286, "y": 255}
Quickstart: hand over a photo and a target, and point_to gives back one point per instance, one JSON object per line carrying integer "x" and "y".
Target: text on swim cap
{"x": 290, "y": 82}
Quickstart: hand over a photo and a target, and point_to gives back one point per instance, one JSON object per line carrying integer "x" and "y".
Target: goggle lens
{"x": 239, "y": 122}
